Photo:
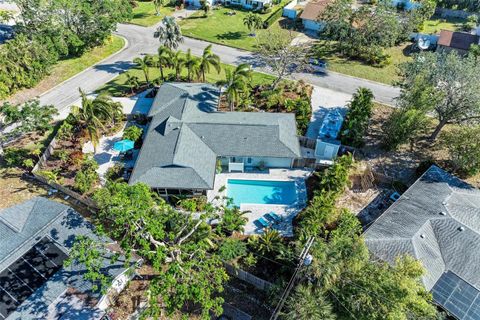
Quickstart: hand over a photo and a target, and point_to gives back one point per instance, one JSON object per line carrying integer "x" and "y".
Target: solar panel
{"x": 457, "y": 296}
{"x": 28, "y": 273}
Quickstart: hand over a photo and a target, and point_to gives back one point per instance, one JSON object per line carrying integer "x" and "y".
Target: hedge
{"x": 275, "y": 15}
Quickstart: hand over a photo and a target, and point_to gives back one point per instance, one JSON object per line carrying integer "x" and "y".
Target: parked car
{"x": 316, "y": 65}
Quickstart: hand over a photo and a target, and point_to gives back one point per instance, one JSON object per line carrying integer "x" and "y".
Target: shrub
{"x": 231, "y": 249}
{"x": 193, "y": 204}
{"x": 463, "y": 146}
{"x": 115, "y": 172}
{"x": 28, "y": 163}
{"x": 65, "y": 131}
{"x": 87, "y": 176}
{"x": 61, "y": 155}
{"x": 403, "y": 126}
{"x": 50, "y": 176}
{"x": 356, "y": 122}
{"x": 133, "y": 133}
{"x": 14, "y": 157}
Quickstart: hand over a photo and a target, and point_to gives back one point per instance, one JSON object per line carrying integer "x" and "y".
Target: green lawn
{"x": 435, "y": 24}
{"x": 117, "y": 86}
{"x": 223, "y": 29}
{"x": 70, "y": 67}
{"x": 144, "y": 13}
{"x": 387, "y": 74}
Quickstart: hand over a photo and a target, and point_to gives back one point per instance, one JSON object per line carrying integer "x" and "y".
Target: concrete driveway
{"x": 324, "y": 100}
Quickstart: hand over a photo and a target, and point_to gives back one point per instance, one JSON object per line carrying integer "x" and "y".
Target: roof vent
{"x": 444, "y": 203}
{"x": 461, "y": 228}
{"x": 422, "y": 236}
{"x": 443, "y": 213}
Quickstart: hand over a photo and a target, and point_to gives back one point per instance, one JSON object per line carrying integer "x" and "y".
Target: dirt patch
{"x": 14, "y": 189}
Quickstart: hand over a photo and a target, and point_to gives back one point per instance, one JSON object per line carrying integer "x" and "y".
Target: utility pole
{"x": 304, "y": 260}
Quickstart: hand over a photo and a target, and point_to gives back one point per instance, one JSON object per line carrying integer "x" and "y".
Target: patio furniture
{"x": 123, "y": 145}
{"x": 273, "y": 216}
{"x": 264, "y": 223}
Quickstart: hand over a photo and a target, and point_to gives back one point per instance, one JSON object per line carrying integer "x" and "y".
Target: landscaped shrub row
{"x": 275, "y": 15}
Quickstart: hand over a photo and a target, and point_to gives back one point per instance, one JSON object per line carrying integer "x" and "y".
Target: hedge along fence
{"x": 275, "y": 15}
{"x": 45, "y": 156}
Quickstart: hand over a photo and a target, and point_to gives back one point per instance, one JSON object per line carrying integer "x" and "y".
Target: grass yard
{"x": 67, "y": 68}
{"x": 223, "y": 29}
{"x": 435, "y": 24}
{"x": 387, "y": 74}
{"x": 144, "y": 13}
{"x": 117, "y": 86}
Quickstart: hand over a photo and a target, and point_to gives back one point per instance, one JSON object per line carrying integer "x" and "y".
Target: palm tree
{"x": 132, "y": 82}
{"x": 178, "y": 61}
{"x": 164, "y": 57}
{"x": 158, "y": 4}
{"x": 236, "y": 83}
{"x": 253, "y": 22}
{"x": 308, "y": 303}
{"x": 209, "y": 59}
{"x": 144, "y": 64}
{"x": 193, "y": 65}
{"x": 268, "y": 243}
{"x": 93, "y": 114}
{"x": 232, "y": 220}
{"x": 169, "y": 33}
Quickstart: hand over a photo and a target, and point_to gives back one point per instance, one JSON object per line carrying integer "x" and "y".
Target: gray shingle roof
{"x": 187, "y": 133}
{"x": 437, "y": 220}
{"x": 22, "y": 226}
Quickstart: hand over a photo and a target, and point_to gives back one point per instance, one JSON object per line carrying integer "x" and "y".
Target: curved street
{"x": 141, "y": 41}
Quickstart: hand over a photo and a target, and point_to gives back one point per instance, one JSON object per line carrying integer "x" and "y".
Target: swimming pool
{"x": 261, "y": 191}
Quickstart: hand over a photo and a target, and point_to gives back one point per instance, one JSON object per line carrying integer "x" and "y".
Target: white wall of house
{"x": 268, "y": 162}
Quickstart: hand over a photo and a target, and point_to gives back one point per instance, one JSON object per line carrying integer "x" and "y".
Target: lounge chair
{"x": 264, "y": 223}
{"x": 273, "y": 216}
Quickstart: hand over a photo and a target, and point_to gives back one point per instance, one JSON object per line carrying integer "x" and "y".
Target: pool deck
{"x": 286, "y": 212}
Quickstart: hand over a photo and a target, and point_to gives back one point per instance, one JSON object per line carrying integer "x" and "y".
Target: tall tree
{"x": 356, "y": 122}
{"x": 164, "y": 56}
{"x": 236, "y": 83}
{"x": 308, "y": 303}
{"x": 193, "y": 65}
{"x": 463, "y": 145}
{"x": 451, "y": 85}
{"x": 93, "y": 114}
{"x": 207, "y": 60}
{"x": 188, "y": 274}
{"x": 169, "y": 33}
{"x": 253, "y": 22}
{"x": 144, "y": 64}
{"x": 158, "y": 5}
{"x": 178, "y": 62}
{"x": 133, "y": 82}
{"x": 279, "y": 54}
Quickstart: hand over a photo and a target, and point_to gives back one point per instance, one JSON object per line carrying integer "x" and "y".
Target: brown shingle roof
{"x": 457, "y": 40}
{"x": 313, "y": 9}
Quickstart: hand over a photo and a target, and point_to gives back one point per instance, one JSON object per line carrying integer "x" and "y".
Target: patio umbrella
{"x": 123, "y": 145}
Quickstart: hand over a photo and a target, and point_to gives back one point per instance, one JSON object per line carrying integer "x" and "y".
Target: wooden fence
{"x": 247, "y": 277}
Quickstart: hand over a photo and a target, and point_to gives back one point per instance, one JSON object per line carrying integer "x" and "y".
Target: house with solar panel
{"x": 437, "y": 221}
{"x": 189, "y": 141}
{"x": 36, "y": 237}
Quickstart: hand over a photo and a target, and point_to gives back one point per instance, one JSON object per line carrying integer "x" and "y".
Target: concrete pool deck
{"x": 218, "y": 195}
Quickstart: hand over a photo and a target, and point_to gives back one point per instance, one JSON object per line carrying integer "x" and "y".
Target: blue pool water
{"x": 261, "y": 191}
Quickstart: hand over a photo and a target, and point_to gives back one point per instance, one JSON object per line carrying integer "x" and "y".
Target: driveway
{"x": 141, "y": 41}
{"x": 324, "y": 100}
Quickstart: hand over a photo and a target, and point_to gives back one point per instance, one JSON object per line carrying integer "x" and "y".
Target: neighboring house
{"x": 328, "y": 145}
{"x": 311, "y": 14}
{"x": 437, "y": 221}
{"x": 292, "y": 9}
{"x": 188, "y": 139}
{"x": 36, "y": 237}
{"x": 459, "y": 41}
{"x": 406, "y": 4}
{"x": 246, "y": 4}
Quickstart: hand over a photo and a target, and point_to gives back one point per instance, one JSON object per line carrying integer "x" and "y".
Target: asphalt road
{"x": 141, "y": 41}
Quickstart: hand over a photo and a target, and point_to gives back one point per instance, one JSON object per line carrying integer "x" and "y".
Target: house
{"x": 36, "y": 237}
{"x": 328, "y": 145}
{"x": 437, "y": 221}
{"x": 311, "y": 14}
{"x": 189, "y": 139}
{"x": 246, "y": 4}
{"x": 406, "y": 4}
{"x": 458, "y": 41}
